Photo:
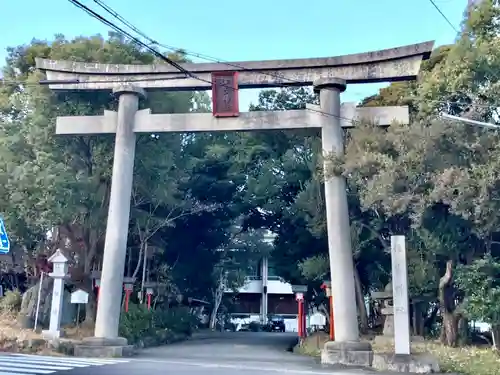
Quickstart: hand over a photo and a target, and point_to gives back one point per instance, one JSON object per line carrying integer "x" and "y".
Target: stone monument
{"x": 387, "y": 310}
{"x": 398, "y": 320}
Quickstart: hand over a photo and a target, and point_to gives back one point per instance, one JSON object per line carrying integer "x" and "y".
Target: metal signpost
{"x": 4, "y": 239}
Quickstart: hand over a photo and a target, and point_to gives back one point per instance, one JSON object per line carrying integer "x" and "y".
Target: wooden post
{"x": 332, "y": 318}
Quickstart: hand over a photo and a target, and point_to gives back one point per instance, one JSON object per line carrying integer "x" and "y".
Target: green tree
{"x": 480, "y": 281}
{"x": 441, "y": 176}
{"x": 62, "y": 183}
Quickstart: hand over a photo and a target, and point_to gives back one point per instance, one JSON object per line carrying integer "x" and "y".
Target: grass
{"x": 469, "y": 360}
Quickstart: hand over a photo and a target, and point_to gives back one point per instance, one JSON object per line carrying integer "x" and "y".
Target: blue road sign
{"x": 4, "y": 239}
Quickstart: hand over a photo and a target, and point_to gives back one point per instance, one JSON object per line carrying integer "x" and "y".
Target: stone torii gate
{"x": 329, "y": 77}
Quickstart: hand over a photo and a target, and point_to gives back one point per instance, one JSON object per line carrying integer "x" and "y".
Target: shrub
{"x": 156, "y": 326}
{"x": 178, "y": 320}
{"x": 136, "y": 324}
{"x": 11, "y": 302}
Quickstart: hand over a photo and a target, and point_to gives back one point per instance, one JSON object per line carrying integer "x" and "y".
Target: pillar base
{"x": 347, "y": 353}
{"x": 104, "y": 347}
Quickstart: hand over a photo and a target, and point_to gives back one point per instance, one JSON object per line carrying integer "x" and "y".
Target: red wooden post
{"x": 300, "y": 318}
{"x": 127, "y": 297}
{"x": 128, "y": 286}
{"x": 332, "y": 322}
{"x": 304, "y": 315}
{"x": 328, "y": 290}
{"x": 149, "y": 294}
{"x": 97, "y": 285}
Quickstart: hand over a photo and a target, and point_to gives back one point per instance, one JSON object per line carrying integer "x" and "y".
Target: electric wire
{"x": 205, "y": 57}
{"x": 443, "y": 15}
{"x": 187, "y": 73}
{"x": 155, "y": 52}
{"x": 100, "y": 18}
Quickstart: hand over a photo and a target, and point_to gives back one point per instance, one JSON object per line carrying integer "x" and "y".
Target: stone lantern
{"x": 59, "y": 273}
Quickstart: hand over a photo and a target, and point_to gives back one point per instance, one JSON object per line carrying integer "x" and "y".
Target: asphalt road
{"x": 247, "y": 353}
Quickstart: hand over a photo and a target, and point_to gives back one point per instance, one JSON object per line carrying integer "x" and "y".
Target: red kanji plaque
{"x": 225, "y": 94}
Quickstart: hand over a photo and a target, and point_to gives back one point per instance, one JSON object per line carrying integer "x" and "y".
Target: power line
{"x": 116, "y": 15}
{"x": 205, "y": 57}
{"x": 120, "y": 30}
{"x": 134, "y": 39}
{"x": 139, "y": 42}
{"x": 443, "y": 15}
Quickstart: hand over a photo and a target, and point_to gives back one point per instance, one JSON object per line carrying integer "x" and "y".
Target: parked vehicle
{"x": 276, "y": 323}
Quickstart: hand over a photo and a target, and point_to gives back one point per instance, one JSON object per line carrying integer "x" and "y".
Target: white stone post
{"x": 59, "y": 273}
{"x": 347, "y": 348}
{"x": 337, "y": 213}
{"x": 400, "y": 295}
{"x": 265, "y": 273}
{"x": 115, "y": 245}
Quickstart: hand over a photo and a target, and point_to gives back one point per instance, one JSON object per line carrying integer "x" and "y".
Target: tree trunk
{"x": 219, "y": 292}
{"x": 360, "y": 301}
{"x": 215, "y": 310}
{"x": 91, "y": 306}
{"x": 139, "y": 261}
{"x": 449, "y": 329}
{"x": 495, "y": 335}
{"x": 463, "y": 331}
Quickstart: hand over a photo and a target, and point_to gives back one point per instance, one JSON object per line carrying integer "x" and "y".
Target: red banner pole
{"x": 127, "y": 294}
{"x": 149, "y": 301}
{"x": 304, "y": 319}
{"x": 332, "y": 322}
{"x": 299, "y": 318}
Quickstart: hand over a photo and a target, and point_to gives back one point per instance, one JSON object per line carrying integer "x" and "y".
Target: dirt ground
{"x": 14, "y": 338}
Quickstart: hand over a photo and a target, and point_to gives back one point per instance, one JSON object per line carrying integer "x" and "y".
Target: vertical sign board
{"x": 225, "y": 94}
{"x": 400, "y": 295}
{"x": 4, "y": 239}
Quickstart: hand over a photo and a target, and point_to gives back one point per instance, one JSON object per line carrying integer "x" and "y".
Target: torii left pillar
{"x": 347, "y": 348}
{"x": 115, "y": 245}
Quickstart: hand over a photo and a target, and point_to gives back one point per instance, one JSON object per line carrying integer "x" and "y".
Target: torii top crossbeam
{"x": 389, "y": 65}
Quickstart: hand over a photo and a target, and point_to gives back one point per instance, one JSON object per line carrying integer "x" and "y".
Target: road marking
{"x": 240, "y": 367}
{"x": 24, "y": 364}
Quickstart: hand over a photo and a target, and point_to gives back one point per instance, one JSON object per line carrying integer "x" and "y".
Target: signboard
{"x": 225, "y": 94}
{"x": 4, "y": 239}
{"x": 79, "y": 296}
{"x": 299, "y": 296}
{"x": 400, "y": 295}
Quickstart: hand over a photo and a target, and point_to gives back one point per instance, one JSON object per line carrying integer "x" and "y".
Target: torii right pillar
{"x": 347, "y": 349}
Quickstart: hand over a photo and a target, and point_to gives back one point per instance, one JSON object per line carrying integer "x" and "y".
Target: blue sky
{"x": 248, "y": 30}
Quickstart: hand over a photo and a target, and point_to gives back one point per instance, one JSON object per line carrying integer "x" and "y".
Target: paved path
{"x": 241, "y": 353}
